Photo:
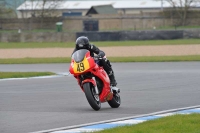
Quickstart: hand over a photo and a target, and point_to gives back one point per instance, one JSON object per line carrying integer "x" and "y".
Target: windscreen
{"x": 79, "y": 55}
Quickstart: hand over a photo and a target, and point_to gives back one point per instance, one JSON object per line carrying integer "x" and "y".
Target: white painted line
{"x": 115, "y": 122}
{"x": 129, "y": 122}
{"x": 38, "y": 77}
{"x": 167, "y": 114}
{"x": 78, "y": 130}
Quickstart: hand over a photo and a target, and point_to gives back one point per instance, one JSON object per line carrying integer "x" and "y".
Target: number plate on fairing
{"x": 81, "y": 66}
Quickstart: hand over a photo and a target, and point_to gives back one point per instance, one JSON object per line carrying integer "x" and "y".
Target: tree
{"x": 179, "y": 9}
{"x": 5, "y": 11}
{"x": 48, "y": 9}
{"x": 40, "y": 9}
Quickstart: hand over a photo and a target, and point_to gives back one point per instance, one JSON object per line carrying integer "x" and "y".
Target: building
{"x": 8, "y": 8}
{"x": 11, "y": 3}
{"x": 102, "y": 9}
{"x": 82, "y": 6}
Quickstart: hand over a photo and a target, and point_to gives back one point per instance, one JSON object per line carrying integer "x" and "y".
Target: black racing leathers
{"x": 93, "y": 50}
{"x": 104, "y": 62}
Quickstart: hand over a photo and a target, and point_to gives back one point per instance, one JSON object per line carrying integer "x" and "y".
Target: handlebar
{"x": 97, "y": 57}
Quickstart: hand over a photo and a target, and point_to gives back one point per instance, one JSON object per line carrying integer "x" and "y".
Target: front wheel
{"x": 92, "y": 98}
{"x": 116, "y": 100}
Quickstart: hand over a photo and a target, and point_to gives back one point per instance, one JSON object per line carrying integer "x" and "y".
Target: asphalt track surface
{"x": 39, "y": 104}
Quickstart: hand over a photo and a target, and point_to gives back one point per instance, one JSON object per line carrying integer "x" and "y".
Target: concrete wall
{"x": 26, "y": 24}
{"x": 106, "y": 23}
{"x": 37, "y": 37}
{"x": 73, "y": 25}
{"x": 120, "y": 23}
{"x": 99, "y": 36}
{"x": 110, "y": 24}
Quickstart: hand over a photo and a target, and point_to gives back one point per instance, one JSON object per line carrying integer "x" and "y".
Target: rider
{"x": 82, "y": 42}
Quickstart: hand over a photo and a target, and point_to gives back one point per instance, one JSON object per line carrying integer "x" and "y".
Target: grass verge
{"x": 156, "y": 58}
{"x": 34, "y": 60}
{"x": 172, "y": 124}
{"x": 99, "y": 44}
{"x": 112, "y": 59}
{"x": 23, "y": 74}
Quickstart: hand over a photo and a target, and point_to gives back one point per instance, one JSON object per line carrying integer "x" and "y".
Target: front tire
{"x": 92, "y": 98}
{"x": 116, "y": 100}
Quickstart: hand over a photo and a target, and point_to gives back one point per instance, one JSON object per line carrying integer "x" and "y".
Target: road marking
{"x": 92, "y": 127}
{"x": 38, "y": 77}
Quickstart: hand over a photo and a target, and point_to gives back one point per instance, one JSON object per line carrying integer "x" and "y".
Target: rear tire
{"x": 116, "y": 100}
{"x": 92, "y": 98}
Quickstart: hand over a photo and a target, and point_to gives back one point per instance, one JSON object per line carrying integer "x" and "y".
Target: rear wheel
{"x": 91, "y": 96}
{"x": 116, "y": 100}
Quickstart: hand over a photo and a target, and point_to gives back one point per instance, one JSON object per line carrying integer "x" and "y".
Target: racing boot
{"x": 112, "y": 79}
{"x": 113, "y": 83}
{"x": 108, "y": 68}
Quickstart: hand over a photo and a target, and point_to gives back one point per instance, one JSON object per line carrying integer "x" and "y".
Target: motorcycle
{"x": 93, "y": 80}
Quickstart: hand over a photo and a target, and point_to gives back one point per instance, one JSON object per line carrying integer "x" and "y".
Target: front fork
{"x": 95, "y": 86}
{"x": 93, "y": 81}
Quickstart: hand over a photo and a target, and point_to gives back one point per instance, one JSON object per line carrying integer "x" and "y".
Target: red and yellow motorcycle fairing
{"x": 90, "y": 66}
{"x": 81, "y": 67}
{"x": 106, "y": 94}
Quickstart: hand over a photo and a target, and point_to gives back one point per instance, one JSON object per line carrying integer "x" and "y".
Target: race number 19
{"x": 80, "y": 67}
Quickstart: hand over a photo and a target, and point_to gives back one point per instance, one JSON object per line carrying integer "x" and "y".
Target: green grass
{"x": 34, "y": 60}
{"x": 112, "y": 59}
{"x": 156, "y": 58}
{"x": 23, "y": 74}
{"x": 172, "y": 124}
{"x": 100, "y": 44}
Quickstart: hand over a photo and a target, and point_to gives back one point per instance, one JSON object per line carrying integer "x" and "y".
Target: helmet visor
{"x": 80, "y": 45}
